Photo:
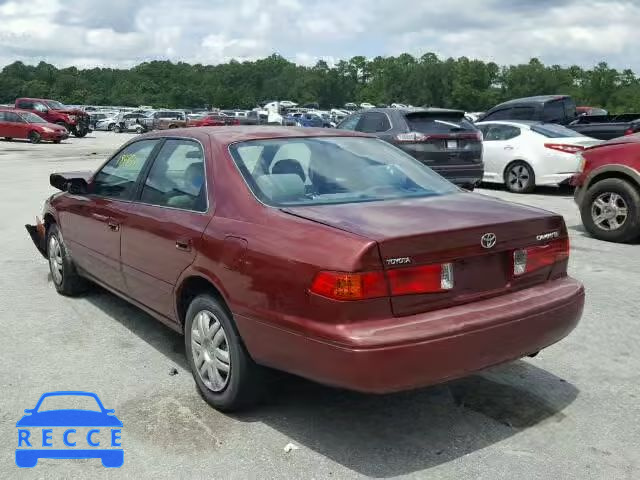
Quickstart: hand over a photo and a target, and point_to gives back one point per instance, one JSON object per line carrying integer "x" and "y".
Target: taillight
{"x": 529, "y": 259}
{"x": 629, "y": 131}
{"x": 423, "y": 279}
{"x": 412, "y": 137}
{"x": 350, "y": 286}
{"x": 564, "y": 148}
{"x": 235, "y": 121}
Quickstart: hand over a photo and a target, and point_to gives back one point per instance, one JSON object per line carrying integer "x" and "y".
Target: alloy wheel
{"x": 55, "y": 259}
{"x": 518, "y": 177}
{"x": 210, "y": 351}
{"x": 609, "y": 211}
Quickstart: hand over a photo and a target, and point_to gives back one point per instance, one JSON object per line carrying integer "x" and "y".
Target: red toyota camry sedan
{"x": 328, "y": 254}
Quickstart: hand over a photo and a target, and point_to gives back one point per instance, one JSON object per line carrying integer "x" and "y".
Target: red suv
{"x": 74, "y": 120}
{"x": 22, "y": 124}
{"x": 608, "y": 189}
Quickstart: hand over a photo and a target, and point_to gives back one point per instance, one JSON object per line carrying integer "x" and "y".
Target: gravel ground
{"x": 571, "y": 412}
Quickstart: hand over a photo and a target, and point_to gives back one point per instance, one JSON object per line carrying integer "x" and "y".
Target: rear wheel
{"x": 63, "y": 273}
{"x": 111, "y": 127}
{"x": 8, "y": 139}
{"x": 116, "y": 128}
{"x": 80, "y": 132}
{"x": 226, "y": 376}
{"x": 34, "y": 137}
{"x": 611, "y": 210}
{"x": 519, "y": 177}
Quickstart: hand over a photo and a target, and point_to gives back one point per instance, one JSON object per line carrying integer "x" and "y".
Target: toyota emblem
{"x": 488, "y": 240}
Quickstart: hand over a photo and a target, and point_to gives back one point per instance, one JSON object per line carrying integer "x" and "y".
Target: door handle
{"x": 508, "y": 147}
{"x": 113, "y": 226}
{"x": 100, "y": 218}
{"x": 184, "y": 245}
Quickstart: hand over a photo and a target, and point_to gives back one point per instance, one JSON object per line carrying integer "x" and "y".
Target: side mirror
{"x": 73, "y": 185}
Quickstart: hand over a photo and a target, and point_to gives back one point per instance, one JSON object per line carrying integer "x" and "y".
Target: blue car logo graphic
{"x": 69, "y": 433}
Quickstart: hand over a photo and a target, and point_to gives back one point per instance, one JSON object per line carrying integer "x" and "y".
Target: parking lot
{"x": 571, "y": 412}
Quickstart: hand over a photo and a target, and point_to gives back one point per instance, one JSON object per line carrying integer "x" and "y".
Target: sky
{"x": 123, "y": 33}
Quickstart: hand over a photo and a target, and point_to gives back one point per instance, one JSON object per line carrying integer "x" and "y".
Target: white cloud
{"x": 123, "y": 33}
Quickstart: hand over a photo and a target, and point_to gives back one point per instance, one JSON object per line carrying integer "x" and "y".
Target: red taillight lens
{"x": 423, "y": 279}
{"x": 564, "y": 148}
{"x": 235, "y": 121}
{"x": 533, "y": 258}
{"x": 350, "y": 286}
{"x": 629, "y": 131}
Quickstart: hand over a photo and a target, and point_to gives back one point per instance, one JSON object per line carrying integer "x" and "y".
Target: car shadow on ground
{"x": 388, "y": 435}
{"x": 391, "y": 435}
{"x": 153, "y": 332}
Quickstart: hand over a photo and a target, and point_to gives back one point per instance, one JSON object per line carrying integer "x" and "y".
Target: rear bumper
{"x": 403, "y": 353}
{"x": 555, "y": 179}
{"x": 461, "y": 174}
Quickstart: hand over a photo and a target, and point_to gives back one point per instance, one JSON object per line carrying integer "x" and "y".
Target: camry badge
{"x": 488, "y": 240}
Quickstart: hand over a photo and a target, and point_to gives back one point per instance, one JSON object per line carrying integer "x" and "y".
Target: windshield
{"x": 53, "y": 105}
{"x": 555, "y": 131}
{"x": 325, "y": 170}
{"x": 32, "y": 118}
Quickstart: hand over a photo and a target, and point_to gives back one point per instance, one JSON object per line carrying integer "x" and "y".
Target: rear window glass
{"x": 555, "y": 131}
{"x": 555, "y": 111}
{"x": 328, "y": 170}
{"x": 438, "y": 124}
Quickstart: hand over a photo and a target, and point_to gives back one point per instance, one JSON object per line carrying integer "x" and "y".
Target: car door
{"x": 16, "y": 125}
{"x": 92, "y": 223}
{"x": 165, "y": 224}
{"x": 499, "y": 148}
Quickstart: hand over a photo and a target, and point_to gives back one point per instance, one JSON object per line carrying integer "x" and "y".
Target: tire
{"x": 244, "y": 384}
{"x": 117, "y": 129}
{"x": 63, "y": 272}
{"x": 8, "y": 139}
{"x": 80, "y": 133}
{"x": 519, "y": 177}
{"x": 34, "y": 137}
{"x": 606, "y": 198}
{"x": 111, "y": 127}
{"x": 57, "y": 141}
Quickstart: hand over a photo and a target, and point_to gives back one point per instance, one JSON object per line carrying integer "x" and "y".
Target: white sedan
{"x": 524, "y": 154}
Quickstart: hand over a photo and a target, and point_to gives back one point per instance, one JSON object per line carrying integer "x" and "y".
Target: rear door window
{"x": 177, "y": 177}
{"x": 523, "y": 113}
{"x": 496, "y": 133}
{"x": 26, "y": 104}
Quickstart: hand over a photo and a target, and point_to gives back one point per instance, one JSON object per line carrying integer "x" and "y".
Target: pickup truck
{"x": 606, "y": 127}
{"x": 74, "y": 120}
{"x": 561, "y": 109}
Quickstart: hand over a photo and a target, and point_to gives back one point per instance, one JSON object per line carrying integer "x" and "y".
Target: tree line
{"x": 471, "y": 85}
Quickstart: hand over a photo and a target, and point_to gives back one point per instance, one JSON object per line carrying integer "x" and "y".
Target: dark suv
{"x": 441, "y": 139}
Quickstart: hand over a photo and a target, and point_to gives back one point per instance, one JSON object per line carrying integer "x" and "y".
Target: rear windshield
{"x": 429, "y": 123}
{"x": 555, "y": 131}
{"x": 329, "y": 170}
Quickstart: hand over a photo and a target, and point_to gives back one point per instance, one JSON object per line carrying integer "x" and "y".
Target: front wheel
{"x": 34, "y": 137}
{"x": 80, "y": 133}
{"x": 519, "y": 177}
{"x": 226, "y": 376}
{"x": 611, "y": 211}
{"x": 63, "y": 272}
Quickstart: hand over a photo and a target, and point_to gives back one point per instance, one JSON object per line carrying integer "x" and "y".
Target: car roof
{"x": 536, "y": 99}
{"x": 525, "y": 123}
{"x": 415, "y": 110}
{"x": 233, "y": 134}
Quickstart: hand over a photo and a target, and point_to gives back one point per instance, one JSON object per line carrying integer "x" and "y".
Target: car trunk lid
{"x": 446, "y": 229}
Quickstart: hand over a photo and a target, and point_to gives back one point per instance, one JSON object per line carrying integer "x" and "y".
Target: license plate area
{"x": 481, "y": 274}
{"x": 452, "y": 144}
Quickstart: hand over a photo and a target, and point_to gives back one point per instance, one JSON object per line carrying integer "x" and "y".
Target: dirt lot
{"x": 572, "y": 412}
